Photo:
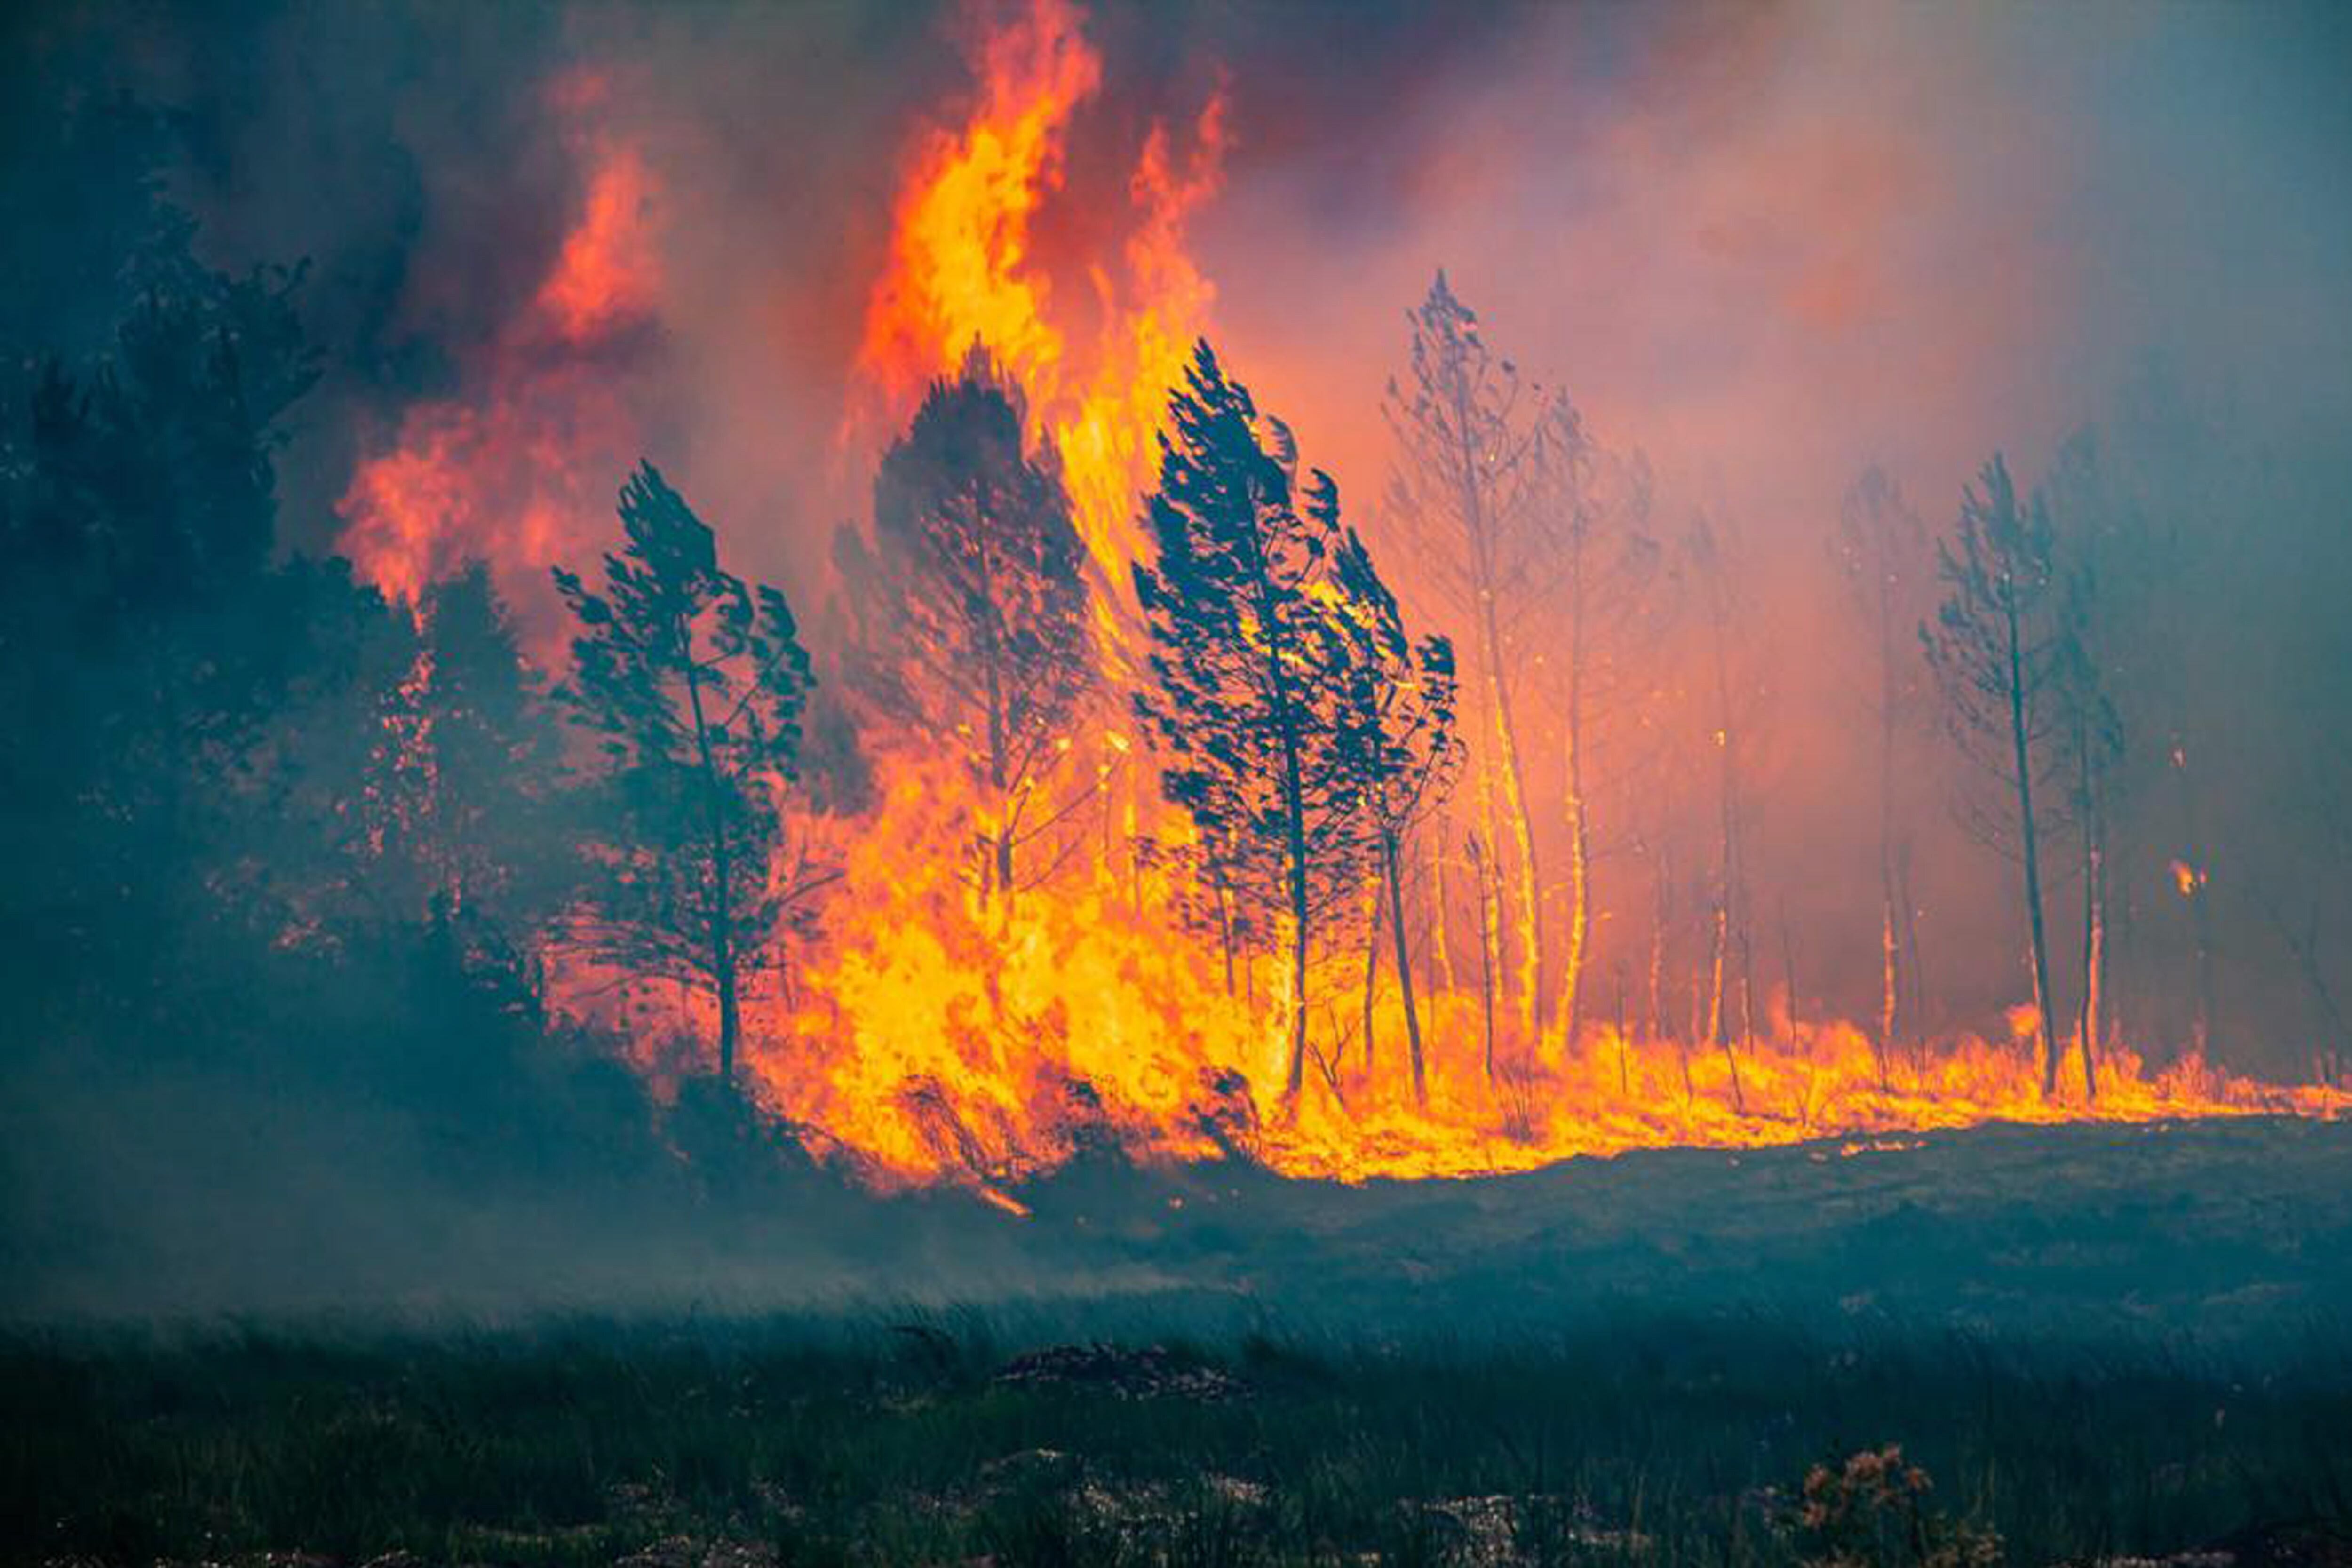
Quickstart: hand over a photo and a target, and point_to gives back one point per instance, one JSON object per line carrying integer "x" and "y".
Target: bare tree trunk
{"x": 1915, "y": 968}
{"x": 1297, "y": 852}
{"x": 1580, "y": 891}
{"x": 1580, "y": 829}
{"x": 1747, "y": 987}
{"x": 1719, "y": 1015}
{"x": 1488, "y": 922}
{"x": 2094, "y": 917}
{"x": 1529, "y": 932}
{"x": 1392, "y": 859}
{"x": 1624, "y": 1077}
{"x": 1372, "y": 968}
{"x": 1889, "y": 938}
{"x": 2022, "y": 760}
{"x": 1441, "y": 950}
{"x": 1890, "y": 941}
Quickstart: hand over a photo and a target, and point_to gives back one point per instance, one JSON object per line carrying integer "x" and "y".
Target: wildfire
{"x": 963, "y": 268}
{"x": 936, "y": 1035}
{"x": 926, "y": 1030}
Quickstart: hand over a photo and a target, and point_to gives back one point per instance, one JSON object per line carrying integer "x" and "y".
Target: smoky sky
{"x": 1763, "y": 245}
{"x": 1755, "y": 240}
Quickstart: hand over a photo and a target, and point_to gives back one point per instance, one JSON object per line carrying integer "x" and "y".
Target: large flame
{"x": 963, "y": 268}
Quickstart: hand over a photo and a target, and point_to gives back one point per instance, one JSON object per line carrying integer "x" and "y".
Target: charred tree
{"x": 697, "y": 683}
{"x": 1995, "y": 652}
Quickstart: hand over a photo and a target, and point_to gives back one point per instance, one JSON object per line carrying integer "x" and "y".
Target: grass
{"x": 935, "y": 1442}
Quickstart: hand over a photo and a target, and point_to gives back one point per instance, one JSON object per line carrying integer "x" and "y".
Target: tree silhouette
{"x": 1996, "y": 652}
{"x": 1398, "y": 744}
{"x": 1257, "y": 694}
{"x": 975, "y": 610}
{"x": 697, "y": 683}
{"x": 459, "y": 810}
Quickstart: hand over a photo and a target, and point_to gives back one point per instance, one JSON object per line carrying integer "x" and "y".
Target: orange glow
{"x": 963, "y": 266}
{"x": 515, "y": 472}
{"x": 920, "y": 1030}
{"x": 604, "y": 277}
{"x": 933, "y": 1036}
{"x": 2188, "y": 878}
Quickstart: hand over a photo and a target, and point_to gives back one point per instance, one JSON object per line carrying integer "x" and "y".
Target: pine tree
{"x": 1996, "y": 653}
{"x": 1476, "y": 480}
{"x": 1253, "y": 658}
{"x": 975, "y": 613}
{"x": 1400, "y": 747}
{"x": 697, "y": 683}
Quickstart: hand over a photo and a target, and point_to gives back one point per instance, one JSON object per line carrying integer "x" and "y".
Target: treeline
{"x": 254, "y": 813}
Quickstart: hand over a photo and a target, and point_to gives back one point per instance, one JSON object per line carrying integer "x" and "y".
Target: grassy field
{"x": 959, "y": 1439}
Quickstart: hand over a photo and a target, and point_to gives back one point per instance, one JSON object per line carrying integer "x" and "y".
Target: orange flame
{"x": 512, "y": 472}
{"x": 963, "y": 268}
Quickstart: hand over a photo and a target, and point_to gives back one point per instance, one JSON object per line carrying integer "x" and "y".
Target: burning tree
{"x": 977, "y": 600}
{"x": 1997, "y": 651}
{"x": 1476, "y": 478}
{"x": 697, "y": 683}
{"x": 1714, "y": 570}
{"x": 1259, "y": 691}
{"x": 1398, "y": 747}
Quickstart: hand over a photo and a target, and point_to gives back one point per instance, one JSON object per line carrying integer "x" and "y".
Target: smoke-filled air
{"x": 1376, "y": 592}
{"x": 1175, "y": 784}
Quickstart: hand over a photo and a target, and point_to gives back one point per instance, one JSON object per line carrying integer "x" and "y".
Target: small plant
{"x": 1872, "y": 1511}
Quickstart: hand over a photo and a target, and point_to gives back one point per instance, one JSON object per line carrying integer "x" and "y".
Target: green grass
{"x": 801, "y": 1442}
